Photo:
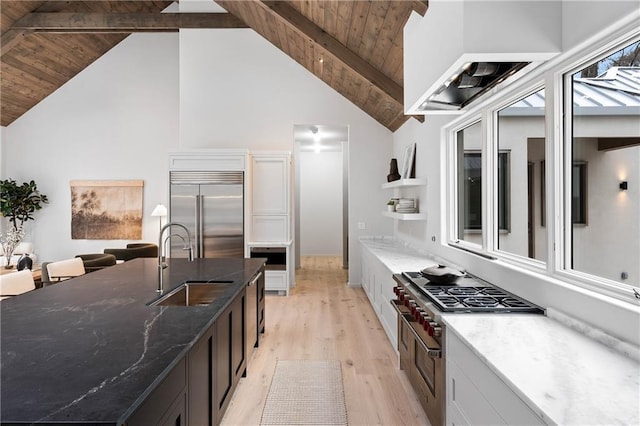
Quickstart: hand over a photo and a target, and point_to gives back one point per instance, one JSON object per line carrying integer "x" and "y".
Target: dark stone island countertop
{"x": 90, "y": 349}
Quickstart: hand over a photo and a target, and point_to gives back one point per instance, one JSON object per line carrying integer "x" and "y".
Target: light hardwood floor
{"x": 324, "y": 319}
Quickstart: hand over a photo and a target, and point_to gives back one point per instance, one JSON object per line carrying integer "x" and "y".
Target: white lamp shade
{"x": 160, "y": 210}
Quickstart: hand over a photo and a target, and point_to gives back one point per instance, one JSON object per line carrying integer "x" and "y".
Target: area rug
{"x": 305, "y": 392}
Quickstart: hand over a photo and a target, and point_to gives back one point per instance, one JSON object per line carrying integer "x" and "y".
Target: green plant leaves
{"x": 19, "y": 202}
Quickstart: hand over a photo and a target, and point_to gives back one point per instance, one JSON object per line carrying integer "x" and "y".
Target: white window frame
{"x": 553, "y": 77}
{"x": 563, "y": 79}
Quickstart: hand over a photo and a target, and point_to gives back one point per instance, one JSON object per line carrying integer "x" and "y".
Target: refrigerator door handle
{"x": 197, "y": 228}
{"x": 201, "y": 226}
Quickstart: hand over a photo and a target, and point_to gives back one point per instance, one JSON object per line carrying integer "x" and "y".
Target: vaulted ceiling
{"x": 355, "y": 47}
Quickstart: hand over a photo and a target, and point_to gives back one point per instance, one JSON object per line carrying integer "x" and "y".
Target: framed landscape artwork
{"x": 106, "y": 210}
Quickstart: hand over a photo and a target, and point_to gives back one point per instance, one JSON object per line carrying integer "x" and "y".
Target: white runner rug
{"x": 306, "y": 392}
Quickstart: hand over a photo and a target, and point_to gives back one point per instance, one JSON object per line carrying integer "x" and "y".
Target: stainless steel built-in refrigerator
{"x": 211, "y": 206}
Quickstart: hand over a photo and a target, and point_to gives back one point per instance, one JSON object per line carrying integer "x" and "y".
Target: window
{"x": 508, "y": 198}
{"x": 521, "y": 133}
{"x": 602, "y": 151}
{"x": 469, "y": 184}
{"x": 473, "y": 191}
{"x": 504, "y": 171}
{"x": 472, "y": 197}
{"x": 579, "y": 193}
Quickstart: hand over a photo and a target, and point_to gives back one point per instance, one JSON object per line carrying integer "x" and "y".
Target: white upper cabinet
{"x": 270, "y": 196}
{"x": 270, "y": 178}
{"x": 213, "y": 159}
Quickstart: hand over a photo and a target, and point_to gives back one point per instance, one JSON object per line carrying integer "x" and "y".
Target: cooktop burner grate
{"x": 459, "y": 298}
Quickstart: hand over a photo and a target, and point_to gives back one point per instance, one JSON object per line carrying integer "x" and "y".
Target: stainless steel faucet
{"x": 162, "y": 249}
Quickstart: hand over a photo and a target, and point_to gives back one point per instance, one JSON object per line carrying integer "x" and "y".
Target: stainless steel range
{"x": 469, "y": 298}
{"x": 421, "y": 336}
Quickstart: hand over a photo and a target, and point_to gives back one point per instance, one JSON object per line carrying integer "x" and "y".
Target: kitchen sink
{"x": 193, "y": 293}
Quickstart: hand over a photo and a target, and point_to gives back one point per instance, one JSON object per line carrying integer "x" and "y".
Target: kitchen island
{"x": 93, "y": 350}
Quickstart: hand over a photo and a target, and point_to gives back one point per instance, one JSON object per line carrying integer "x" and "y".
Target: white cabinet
{"x": 378, "y": 284}
{"x": 476, "y": 395}
{"x": 269, "y": 228}
{"x": 214, "y": 159}
{"x": 279, "y": 271}
{"x": 270, "y": 196}
{"x": 271, "y": 218}
{"x": 270, "y": 190}
{"x": 397, "y": 186}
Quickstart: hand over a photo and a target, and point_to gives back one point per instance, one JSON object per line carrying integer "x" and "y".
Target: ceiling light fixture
{"x": 316, "y": 134}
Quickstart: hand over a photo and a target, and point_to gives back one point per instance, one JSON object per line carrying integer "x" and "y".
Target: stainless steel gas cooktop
{"x": 470, "y": 298}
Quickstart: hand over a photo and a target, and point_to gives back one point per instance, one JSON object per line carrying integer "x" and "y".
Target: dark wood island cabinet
{"x": 93, "y": 350}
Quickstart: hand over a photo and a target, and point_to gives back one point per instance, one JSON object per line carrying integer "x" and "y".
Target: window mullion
{"x": 554, "y": 154}
{"x": 564, "y": 170}
{"x": 489, "y": 179}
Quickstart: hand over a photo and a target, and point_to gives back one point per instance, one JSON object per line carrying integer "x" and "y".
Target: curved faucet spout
{"x": 162, "y": 249}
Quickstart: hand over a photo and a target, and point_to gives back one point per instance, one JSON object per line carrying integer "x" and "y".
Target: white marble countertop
{"x": 396, "y": 256}
{"x": 565, "y": 377}
{"x": 562, "y": 371}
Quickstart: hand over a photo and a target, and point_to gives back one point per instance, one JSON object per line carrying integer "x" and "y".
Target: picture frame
{"x": 408, "y": 162}
{"x": 106, "y": 209}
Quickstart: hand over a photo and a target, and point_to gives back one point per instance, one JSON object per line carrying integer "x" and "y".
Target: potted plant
{"x": 18, "y": 203}
{"x": 391, "y": 205}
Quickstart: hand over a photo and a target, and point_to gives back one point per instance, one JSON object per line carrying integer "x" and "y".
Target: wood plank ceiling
{"x": 355, "y": 47}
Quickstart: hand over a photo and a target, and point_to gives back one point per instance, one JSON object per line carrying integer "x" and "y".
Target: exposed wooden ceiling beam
{"x": 299, "y": 23}
{"x": 10, "y": 39}
{"x": 421, "y": 6}
{"x": 401, "y": 118}
{"x": 123, "y": 22}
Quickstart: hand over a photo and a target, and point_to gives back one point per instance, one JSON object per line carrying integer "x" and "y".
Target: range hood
{"x": 462, "y": 51}
{"x": 469, "y": 83}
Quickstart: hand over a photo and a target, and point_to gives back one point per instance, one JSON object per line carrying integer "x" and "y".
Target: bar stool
{"x": 64, "y": 269}
{"x": 16, "y": 283}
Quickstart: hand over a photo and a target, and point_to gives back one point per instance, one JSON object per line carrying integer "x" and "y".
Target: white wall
{"x": 159, "y": 93}
{"x": 320, "y": 203}
{"x": 3, "y": 137}
{"x": 429, "y": 159}
{"x": 239, "y": 91}
{"x": 582, "y": 19}
{"x": 117, "y": 119}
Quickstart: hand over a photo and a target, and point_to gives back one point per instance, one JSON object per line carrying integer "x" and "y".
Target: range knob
{"x": 425, "y": 318}
{"x": 437, "y": 331}
{"x": 432, "y": 325}
{"x": 414, "y": 308}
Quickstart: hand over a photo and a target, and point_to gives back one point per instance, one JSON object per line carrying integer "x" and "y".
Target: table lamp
{"x": 159, "y": 211}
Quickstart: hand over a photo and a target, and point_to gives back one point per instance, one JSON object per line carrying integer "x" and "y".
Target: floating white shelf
{"x": 405, "y": 216}
{"x": 404, "y": 183}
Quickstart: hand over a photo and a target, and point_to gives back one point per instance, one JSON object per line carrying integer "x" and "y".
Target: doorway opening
{"x": 321, "y": 191}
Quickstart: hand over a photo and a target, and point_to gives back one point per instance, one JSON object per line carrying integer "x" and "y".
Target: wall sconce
{"x": 159, "y": 211}
{"x": 624, "y": 185}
